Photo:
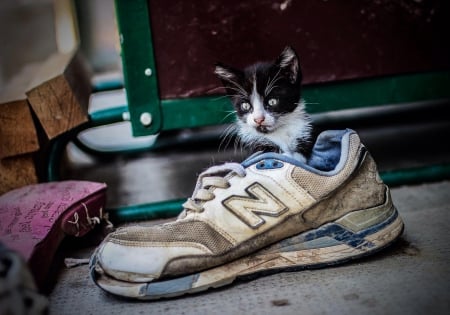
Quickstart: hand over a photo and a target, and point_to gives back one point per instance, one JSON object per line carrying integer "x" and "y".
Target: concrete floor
{"x": 411, "y": 277}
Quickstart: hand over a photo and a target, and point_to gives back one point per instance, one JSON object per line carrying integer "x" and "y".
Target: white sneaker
{"x": 329, "y": 210}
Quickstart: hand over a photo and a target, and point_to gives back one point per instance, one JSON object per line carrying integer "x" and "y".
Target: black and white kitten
{"x": 268, "y": 104}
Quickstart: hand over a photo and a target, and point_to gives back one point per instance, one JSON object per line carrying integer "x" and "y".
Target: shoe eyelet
{"x": 269, "y": 164}
{"x": 261, "y": 165}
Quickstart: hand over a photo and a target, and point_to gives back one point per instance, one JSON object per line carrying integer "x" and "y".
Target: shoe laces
{"x": 213, "y": 177}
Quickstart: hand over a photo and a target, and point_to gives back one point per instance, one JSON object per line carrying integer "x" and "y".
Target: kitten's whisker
{"x": 221, "y": 97}
{"x": 215, "y": 89}
{"x": 227, "y": 96}
{"x": 239, "y": 88}
{"x": 268, "y": 88}
{"x": 277, "y": 78}
{"x": 228, "y": 130}
{"x": 267, "y": 84}
{"x": 234, "y": 89}
{"x": 227, "y": 134}
{"x": 242, "y": 147}
{"x": 307, "y": 103}
{"x": 237, "y": 144}
{"x": 226, "y": 138}
{"x": 271, "y": 89}
{"x": 240, "y": 94}
{"x": 221, "y": 143}
{"x": 228, "y": 115}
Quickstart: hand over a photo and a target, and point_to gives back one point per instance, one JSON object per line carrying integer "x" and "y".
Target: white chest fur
{"x": 286, "y": 131}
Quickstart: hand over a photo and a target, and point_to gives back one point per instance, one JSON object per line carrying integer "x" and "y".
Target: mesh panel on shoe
{"x": 319, "y": 185}
{"x": 178, "y": 231}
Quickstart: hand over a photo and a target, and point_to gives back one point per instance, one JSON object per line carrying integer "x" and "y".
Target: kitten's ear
{"x": 288, "y": 61}
{"x": 227, "y": 73}
{"x": 231, "y": 79}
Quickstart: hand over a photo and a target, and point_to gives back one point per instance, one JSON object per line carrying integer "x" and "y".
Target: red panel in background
{"x": 336, "y": 40}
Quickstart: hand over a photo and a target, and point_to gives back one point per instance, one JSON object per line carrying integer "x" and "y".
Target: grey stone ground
{"x": 411, "y": 277}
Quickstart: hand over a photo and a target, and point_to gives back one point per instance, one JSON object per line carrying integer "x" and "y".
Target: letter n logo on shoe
{"x": 260, "y": 202}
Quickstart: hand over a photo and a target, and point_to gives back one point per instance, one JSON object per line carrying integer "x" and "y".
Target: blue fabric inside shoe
{"x": 328, "y": 155}
{"x": 326, "y": 152}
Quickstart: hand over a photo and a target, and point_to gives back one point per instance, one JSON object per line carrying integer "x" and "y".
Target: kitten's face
{"x": 264, "y": 92}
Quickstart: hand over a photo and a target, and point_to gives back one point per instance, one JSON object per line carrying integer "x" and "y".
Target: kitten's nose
{"x": 259, "y": 120}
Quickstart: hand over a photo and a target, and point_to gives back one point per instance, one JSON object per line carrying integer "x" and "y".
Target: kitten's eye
{"x": 272, "y": 102}
{"x": 246, "y": 106}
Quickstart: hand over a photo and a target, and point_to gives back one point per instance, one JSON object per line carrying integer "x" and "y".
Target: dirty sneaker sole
{"x": 355, "y": 235}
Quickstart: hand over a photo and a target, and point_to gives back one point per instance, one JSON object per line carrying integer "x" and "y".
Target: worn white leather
{"x": 143, "y": 263}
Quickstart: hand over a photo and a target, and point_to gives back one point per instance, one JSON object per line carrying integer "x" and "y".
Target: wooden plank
{"x": 59, "y": 93}
{"x": 17, "y": 171}
{"x": 17, "y": 129}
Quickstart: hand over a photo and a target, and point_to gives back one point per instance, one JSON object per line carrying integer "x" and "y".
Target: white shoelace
{"x": 211, "y": 178}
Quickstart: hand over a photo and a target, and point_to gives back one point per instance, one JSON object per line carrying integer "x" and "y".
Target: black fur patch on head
{"x": 267, "y": 100}
{"x": 289, "y": 63}
{"x": 280, "y": 79}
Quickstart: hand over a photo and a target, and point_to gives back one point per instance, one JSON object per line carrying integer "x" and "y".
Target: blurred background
{"x": 386, "y": 37}
{"x": 392, "y": 37}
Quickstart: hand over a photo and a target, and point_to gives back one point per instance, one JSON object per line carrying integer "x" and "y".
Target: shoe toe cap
{"x": 142, "y": 263}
